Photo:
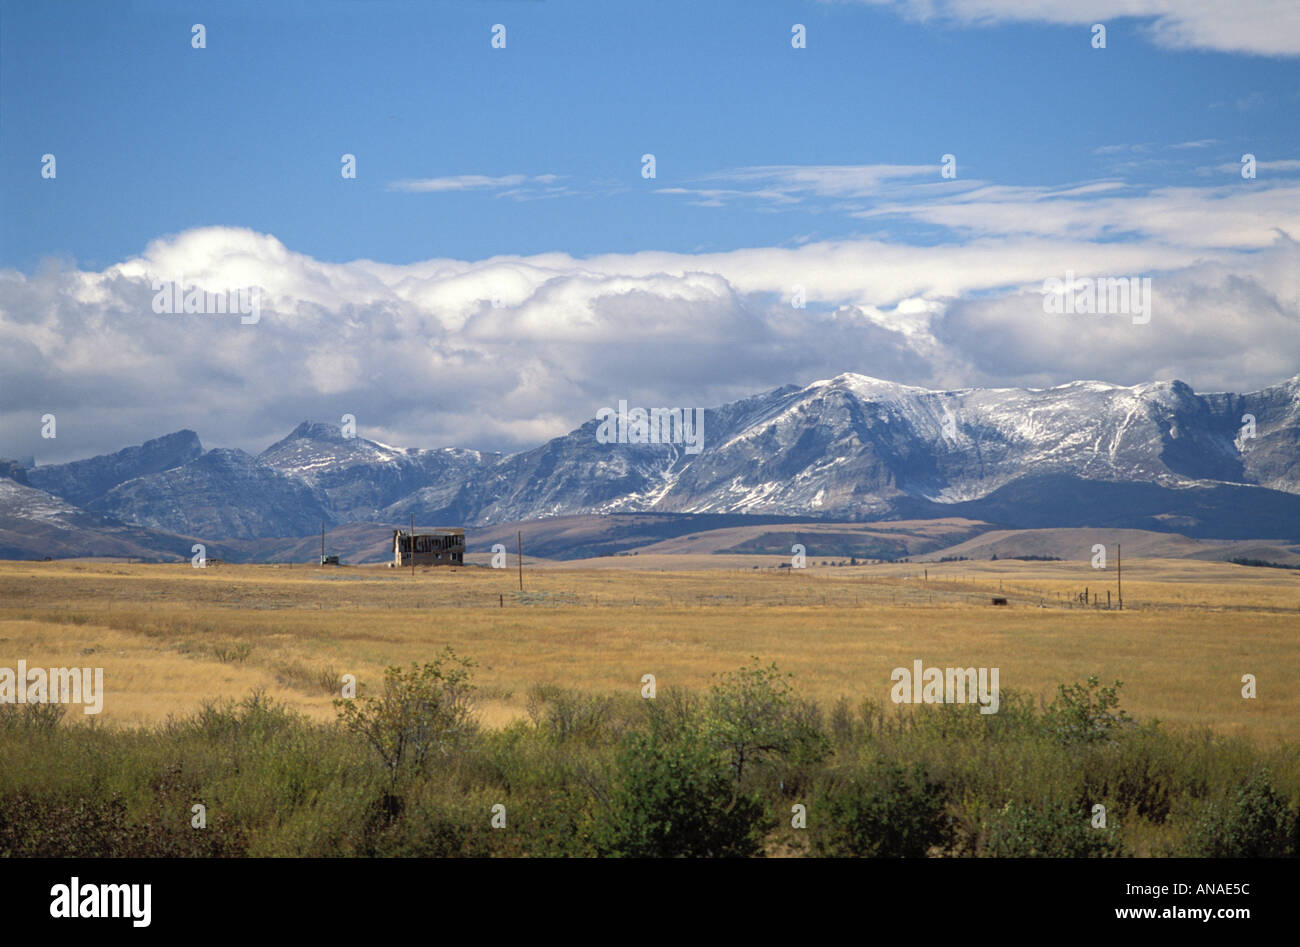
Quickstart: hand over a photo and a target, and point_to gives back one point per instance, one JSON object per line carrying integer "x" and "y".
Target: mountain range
{"x": 1156, "y": 456}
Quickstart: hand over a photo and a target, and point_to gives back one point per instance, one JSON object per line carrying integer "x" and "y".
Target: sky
{"x": 502, "y": 264}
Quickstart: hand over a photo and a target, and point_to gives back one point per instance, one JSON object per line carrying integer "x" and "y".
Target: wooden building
{"x": 435, "y": 547}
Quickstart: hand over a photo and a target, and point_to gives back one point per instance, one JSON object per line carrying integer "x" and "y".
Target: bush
{"x": 421, "y": 713}
{"x": 1057, "y": 830}
{"x": 1258, "y": 824}
{"x": 31, "y": 718}
{"x": 568, "y": 714}
{"x": 425, "y": 830}
{"x": 69, "y": 827}
{"x": 673, "y": 799}
{"x": 898, "y": 814}
{"x": 1140, "y": 773}
{"x": 685, "y": 774}
{"x": 1086, "y": 713}
{"x": 753, "y": 716}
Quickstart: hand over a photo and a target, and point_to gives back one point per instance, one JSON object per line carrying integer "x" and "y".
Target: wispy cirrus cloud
{"x": 1152, "y": 158}
{"x": 519, "y": 186}
{"x": 791, "y": 185}
{"x": 1142, "y": 148}
{"x": 1281, "y": 164}
{"x": 828, "y": 180}
{"x": 1240, "y": 215}
{"x": 1259, "y": 27}
{"x": 1110, "y": 208}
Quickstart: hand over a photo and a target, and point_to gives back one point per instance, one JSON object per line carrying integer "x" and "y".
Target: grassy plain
{"x": 171, "y": 636}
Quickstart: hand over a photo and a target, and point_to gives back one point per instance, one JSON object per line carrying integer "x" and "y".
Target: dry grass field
{"x": 171, "y": 636}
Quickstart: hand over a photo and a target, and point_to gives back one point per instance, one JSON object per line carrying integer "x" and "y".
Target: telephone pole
{"x": 519, "y": 538}
{"x": 411, "y": 538}
{"x": 1119, "y": 573}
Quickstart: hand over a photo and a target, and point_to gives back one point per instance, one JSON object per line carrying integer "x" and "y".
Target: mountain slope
{"x": 357, "y": 478}
{"x": 35, "y": 524}
{"x": 225, "y": 494}
{"x": 851, "y": 448}
{"x": 81, "y": 481}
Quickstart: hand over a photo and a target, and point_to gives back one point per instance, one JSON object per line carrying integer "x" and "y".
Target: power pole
{"x": 322, "y": 542}
{"x": 412, "y": 544}
{"x": 1119, "y": 573}
{"x": 519, "y": 538}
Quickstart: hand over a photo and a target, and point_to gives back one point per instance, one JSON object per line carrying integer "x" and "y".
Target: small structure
{"x": 999, "y": 600}
{"x": 329, "y": 560}
{"x": 436, "y": 547}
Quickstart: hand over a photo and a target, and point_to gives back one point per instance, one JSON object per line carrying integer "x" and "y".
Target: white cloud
{"x": 1261, "y": 27}
{"x": 1283, "y": 164}
{"x": 459, "y": 182}
{"x": 1121, "y": 149}
{"x": 778, "y": 185}
{"x": 421, "y": 356}
{"x": 518, "y": 186}
{"x": 1243, "y": 214}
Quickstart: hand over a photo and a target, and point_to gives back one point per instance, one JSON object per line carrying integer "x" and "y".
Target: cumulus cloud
{"x": 505, "y": 352}
{"x": 1218, "y": 326}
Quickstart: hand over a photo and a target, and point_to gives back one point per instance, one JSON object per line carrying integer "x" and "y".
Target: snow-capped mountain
{"x": 84, "y": 480}
{"x": 35, "y": 524}
{"x": 853, "y": 447}
{"x": 225, "y": 494}
{"x": 1154, "y": 456}
{"x": 358, "y": 478}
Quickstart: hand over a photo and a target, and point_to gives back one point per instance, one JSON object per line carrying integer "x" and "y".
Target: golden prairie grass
{"x": 169, "y": 636}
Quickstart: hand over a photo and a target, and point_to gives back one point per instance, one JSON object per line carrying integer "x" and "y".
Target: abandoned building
{"x": 437, "y": 547}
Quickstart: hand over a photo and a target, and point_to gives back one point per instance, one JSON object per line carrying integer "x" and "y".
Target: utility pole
{"x": 322, "y": 542}
{"x": 519, "y": 538}
{"x": 412, "y": 543}
{"x": 1119, "y": 573}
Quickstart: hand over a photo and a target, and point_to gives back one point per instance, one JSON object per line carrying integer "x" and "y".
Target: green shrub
{"x": 430, "y": 829}
{"x": 567, "y": 714}
{"x": 753, "y": 716}
{"x": 1086, "y": 713}
{"x": 673, "y": 799}
{"x": 63, "y": 826}
{"x": 421, "y": 713}
{"x": 1257, "y": 824}
{"x": 892, "y": 813}
{"x": 685, "y": 774}
{"x": 1054, "y": 830}
{"x": 31, "y": 718}
{"x": 1140, "y": 773}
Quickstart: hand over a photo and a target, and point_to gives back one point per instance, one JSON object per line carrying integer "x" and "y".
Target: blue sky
{"x": 153, "y": 137}
{"x": 500, "y": 238}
